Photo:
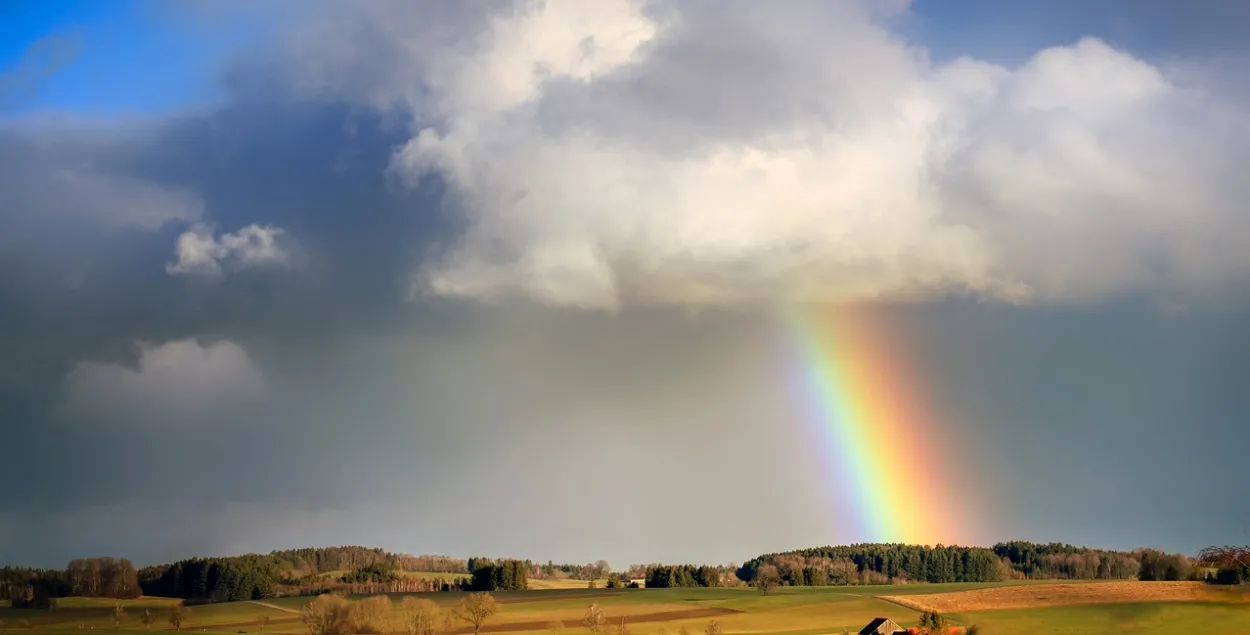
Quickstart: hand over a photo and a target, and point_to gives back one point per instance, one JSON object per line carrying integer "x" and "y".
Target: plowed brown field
{"x": 1029, "y": 596}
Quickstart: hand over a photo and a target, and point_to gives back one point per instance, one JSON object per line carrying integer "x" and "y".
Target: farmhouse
{"x": 641, "y": 582}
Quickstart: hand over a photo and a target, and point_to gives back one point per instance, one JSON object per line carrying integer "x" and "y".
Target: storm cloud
{"x": 426, "y": 263}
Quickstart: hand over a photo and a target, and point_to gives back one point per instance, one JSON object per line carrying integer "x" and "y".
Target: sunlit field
{"x": 791, "y": 611}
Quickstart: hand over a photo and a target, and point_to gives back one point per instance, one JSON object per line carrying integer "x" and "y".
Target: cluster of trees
{"x": 103, "y": 578}
{"x": 685, "y": 575}
{"x": 1231, "y": 564}
{"x": 432, "y": 564}
{"x": 90, "y": 577}
{"x": 886, "y": 563}
{"x": 1156, "y": 565}
{"x": 880, "y": 564}
{"x": 503, "y": 575}
{"x": 24, "y": 587}
{"x": 336, "y": 615}
{"x": 372, "y": 574}
{"x": 593, "y": 571}
{"x": 250, "y": 577}
{"x": 301, "y": 562}
{"x": 1068, "y": 562}
{"x": 333, "y": 614}
{"x": 299, "y": 572}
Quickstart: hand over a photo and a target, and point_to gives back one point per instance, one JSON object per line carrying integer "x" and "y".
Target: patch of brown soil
{"x": 1029, "y": 596}
{"x": 660, "y": 616}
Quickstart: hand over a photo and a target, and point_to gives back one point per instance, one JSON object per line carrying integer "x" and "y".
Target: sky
{"x": 500, "y": 278}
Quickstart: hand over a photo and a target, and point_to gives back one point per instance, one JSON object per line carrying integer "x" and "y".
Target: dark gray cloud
{"x": 320, "y": 402}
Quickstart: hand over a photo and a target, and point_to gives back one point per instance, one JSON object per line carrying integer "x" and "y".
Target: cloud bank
{"x": 709, "y": 153}
{"x": 172, "y": 382}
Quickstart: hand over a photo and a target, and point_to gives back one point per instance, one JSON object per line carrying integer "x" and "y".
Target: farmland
{"x": 1021, "y": 607}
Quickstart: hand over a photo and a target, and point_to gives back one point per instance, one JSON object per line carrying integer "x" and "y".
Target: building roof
{"x": 881, "y": 626}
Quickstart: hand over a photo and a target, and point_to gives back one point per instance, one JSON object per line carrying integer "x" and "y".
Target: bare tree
{"x": 766, "y": 579}
{"x": 713, "y": 628}
{"x": 477, "y": 608}
{"x": 147, "y": 618}
{"x": 1223, "y": 556}
{"x": 318, "y": 615}
{"x": 118, "y": 615}
{"x": 622, "y": 629}
{"x": 372, "y": 613}
{"x": 420, "y": 616}
{"x": 594, "y": 619}
{"x": 177, "y": 613}
{"x": 602, "y": 568}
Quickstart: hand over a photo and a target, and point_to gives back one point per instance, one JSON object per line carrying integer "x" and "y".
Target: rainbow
{"x": 887, "y": 457}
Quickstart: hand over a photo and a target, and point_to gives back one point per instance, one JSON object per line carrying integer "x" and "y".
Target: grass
{"x": 1143, "y": 618}
{"x": 787, "y": 611}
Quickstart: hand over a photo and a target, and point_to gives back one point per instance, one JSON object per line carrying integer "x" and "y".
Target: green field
{"x": 790, "y": 611}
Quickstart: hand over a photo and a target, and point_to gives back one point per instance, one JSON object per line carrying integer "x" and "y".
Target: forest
{"x": 898, "y": 563}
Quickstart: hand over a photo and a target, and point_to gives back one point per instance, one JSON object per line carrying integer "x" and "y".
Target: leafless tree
{"x": 1226, "y": 556}
{"x": 476, "y": 608}
{"x": 118, "y": 615}
{"x": 594, "y": 619}
{"x": 372, "y": 612}
{"x": 318, "y": 615}
{"x": 177, "y": 613}
{"x": 147, "y": 618}
{"x": 420, "y": 616}
{"x": 766, "y": 579}
{"x": 713, "y": 628}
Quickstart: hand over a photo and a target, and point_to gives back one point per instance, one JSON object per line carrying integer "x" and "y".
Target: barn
{"x": 882, "y": 626}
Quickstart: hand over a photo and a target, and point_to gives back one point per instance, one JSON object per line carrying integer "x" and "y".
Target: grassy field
{"x": 788, "y": 611}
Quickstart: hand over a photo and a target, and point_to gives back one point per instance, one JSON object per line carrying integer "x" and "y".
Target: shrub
{"x": 1230, "y": 575}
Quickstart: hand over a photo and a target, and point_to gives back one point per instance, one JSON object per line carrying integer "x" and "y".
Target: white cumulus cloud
{"x": 200, "y": 253}
{"x": 689, "y": 153}
{"x": 175, "y": 381}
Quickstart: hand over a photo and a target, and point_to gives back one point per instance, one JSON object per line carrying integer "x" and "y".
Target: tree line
{"x": 686, "y": 575}
{"x": 25, "y": 587}
{"x": 889, "y": 563}
{"x": 593, "y": 571}
{"x": 371, "y": 571}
